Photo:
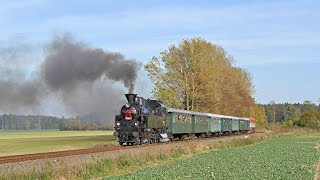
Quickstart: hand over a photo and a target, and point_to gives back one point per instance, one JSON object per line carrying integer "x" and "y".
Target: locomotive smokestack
{"x": 131, "y": 98}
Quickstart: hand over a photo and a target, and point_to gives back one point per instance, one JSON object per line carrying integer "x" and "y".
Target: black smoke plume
{"x": 20, "y": 97}
{"x": 70, "y": 63}
{"x": 79, "y": 78}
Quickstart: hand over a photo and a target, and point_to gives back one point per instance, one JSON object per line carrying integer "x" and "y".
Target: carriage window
{"x": 199, "y": 119}
{"x": 216, "y": 121}
{"x": 204, "y": 120}
{"x": 177, "y": 118}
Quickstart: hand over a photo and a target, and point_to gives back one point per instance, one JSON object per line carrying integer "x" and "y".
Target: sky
{"x": 278, "y": 41}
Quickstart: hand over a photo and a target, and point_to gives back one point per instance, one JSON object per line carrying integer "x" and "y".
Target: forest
{"x": 38, "y": 122}
{"x": 306, "y": 114}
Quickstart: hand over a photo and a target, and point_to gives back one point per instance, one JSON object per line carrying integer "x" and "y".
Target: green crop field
{"x": 286, "y": 157}
{"x": 26, "y": 142}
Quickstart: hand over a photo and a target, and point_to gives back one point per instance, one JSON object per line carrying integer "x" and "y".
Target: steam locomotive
{"x": 145, "y": 121}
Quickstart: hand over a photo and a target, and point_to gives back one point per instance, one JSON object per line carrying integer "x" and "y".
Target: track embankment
{"x": 27, "y": 157}
{"x": 75, "y": 158}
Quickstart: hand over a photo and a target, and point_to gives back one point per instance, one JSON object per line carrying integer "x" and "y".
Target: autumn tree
{"x": 258, "y": 112}
{"x": 310, "y": 116}
{"x": 198, "y": 75}
{"x": 294, "y": 115}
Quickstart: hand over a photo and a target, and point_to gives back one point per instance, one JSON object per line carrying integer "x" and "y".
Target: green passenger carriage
{"x": 235, "y": 125}
{"x": 180, "y": 121}
{"x": 200, "y": 123}
{"x": 226, "y": 125}
{"x": 244, "y": 125}
{"x": 214, "y": 123}
{"x": 186, "y": 124}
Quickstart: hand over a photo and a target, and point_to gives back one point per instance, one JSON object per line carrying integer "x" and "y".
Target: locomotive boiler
{"x": 141, "y": 121}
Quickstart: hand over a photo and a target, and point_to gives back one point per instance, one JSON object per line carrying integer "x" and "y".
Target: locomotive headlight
{"x": 118, "y": 123}
{"x": 136, "y": 123}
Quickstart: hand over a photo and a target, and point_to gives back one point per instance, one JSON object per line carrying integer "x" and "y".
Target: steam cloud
{"x": 78, "y": 78}
{"x": 18, "y": 97}
{"x": 70, "y": 63}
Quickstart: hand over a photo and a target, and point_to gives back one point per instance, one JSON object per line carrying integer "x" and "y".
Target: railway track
{"x": 27, "y": 157}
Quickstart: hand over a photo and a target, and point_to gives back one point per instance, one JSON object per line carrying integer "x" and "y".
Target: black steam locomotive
{"x": 141, "y": 121}
{"x": 144, "y": 121}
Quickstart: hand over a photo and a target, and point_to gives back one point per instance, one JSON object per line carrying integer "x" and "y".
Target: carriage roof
{"x": 172, "y": 110}
{"x": 186, "y": 112}
{"x": 178, "y": 111}
{"x": 214, "y": 115}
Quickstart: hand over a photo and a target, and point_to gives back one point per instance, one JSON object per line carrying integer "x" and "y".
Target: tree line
{"x": 27, "y": 122}
{"x": 38, "y": 122}
{"x": 306, "y": 114}
{"x": 86, "y": 122}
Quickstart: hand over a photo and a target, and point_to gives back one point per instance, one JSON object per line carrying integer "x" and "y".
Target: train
{"x": 145, "y": 121}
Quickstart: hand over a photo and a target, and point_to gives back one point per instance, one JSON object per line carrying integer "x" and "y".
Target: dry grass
{"x": 140, "y": 158}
